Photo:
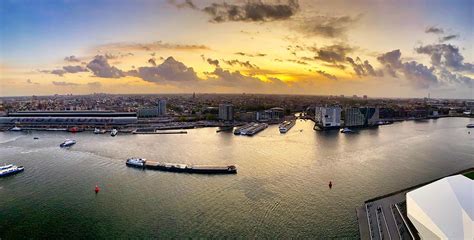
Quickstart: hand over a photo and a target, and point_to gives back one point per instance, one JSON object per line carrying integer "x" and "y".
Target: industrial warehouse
{"x": 65, "y": 119}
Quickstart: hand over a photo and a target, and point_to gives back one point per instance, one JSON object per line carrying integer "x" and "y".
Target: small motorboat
{"x": 36, "y": 138}
{"x": 67, "y": 143}
{"x": 346, "y": 130}
{"x": 470, "y": 125}
{"x": 16, "y": 129}
{"x": 99, "y": 131}
{"x": 114, "y": 132}
{"x": 10, "y": 171}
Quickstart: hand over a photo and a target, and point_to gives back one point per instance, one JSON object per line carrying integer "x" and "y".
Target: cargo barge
{"x": 183, "y": 168}
{"x": 250, "y": 129}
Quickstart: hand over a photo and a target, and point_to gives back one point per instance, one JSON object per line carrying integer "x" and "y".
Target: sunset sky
{"x": 379, "y": 48}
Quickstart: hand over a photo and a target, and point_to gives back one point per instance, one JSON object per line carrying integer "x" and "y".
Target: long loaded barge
{"x": 177, "y": 167}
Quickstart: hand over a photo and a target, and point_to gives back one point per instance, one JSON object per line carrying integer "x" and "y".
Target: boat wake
{"x": 9, "y": 140}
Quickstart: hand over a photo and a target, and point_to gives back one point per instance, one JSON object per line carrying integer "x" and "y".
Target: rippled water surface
{"x": 280, "y": 191}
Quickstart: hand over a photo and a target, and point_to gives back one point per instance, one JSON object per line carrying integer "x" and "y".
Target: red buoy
{"x": 330, "y": 184}
{"x": 97, "y": 189}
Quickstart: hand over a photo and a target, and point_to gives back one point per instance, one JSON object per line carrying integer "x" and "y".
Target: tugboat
{"x": 136, "y": 162}
{"x": 11, "y": 170}
{"x": 114, "y": 132}
{"x": 67, "y": 143}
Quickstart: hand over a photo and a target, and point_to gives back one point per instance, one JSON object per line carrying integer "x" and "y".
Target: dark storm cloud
{"x": 333, "y": 53}
{"x": 101, "y": 68}
{"x": 435, "y": 30}
{"x": 418, "y": 74}
{"x": 326, "y": 26}
{"x": 251, "y": 11}
{"x": 74, "y": 69}
{"x": 327, "y": 75}
{"x": 446, "y": 55}
{"x": 449, "y": 37}
{"x": 391, "y": 61}
{"x": 245, "y": 64}
{"x": 363, "y": 68}
{"x": 168, "y": 71}
{"x": 214, "y": 62}
{"x": 59, "y": 72}
{"x": 66, "y": 69}
{"x": 71, "y": 58}
{"x": 455, "y": 78}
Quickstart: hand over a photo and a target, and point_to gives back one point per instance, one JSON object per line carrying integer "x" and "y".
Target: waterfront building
{"x": 226, "y": 112}
{"x": 364, "y": 116}
{"x": 247, "y": 116}
{"x": 328, "y": 117}
{"x": 470, "y": 106}
{"x": 443, "y": 209}
{"x": 157, "y": 111}
{"x": 162, "y": 107}
{"x": 272, "y": 114}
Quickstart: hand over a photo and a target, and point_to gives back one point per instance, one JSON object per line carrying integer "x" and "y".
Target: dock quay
{"x": 385, "y": 217}
{"x": 182, "y": 168}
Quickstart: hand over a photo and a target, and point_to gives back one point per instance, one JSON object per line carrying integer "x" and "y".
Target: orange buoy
{"x": 330, "y": 184}
{"x": 97, "y": 189}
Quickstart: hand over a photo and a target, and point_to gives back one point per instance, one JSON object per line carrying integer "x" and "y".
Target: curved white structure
{"x": 443, "y": 209}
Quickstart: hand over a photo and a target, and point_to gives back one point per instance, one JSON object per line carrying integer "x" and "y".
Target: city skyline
{"x": 375, "y": 48}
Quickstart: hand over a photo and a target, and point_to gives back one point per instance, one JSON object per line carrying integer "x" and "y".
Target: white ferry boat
{"x": 6, "y": 166}
{"x": 286, "y": 126}
{"x": 11, "y": 170}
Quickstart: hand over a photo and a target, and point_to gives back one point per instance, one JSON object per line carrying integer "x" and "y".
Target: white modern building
{"x": 226, "y": 112}
{"x": 443, "y": 209}
{"x": 327, "y": 117}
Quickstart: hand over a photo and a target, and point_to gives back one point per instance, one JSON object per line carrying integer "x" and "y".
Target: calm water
{"x": 280, "y": 191}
